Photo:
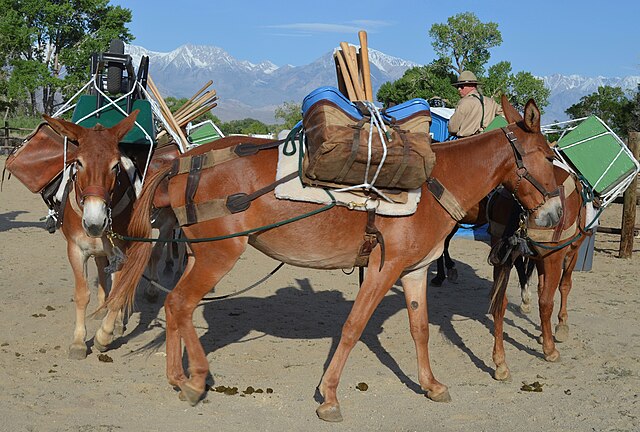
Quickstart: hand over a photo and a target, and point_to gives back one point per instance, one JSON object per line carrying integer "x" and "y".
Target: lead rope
{"x": 117, "y": 257}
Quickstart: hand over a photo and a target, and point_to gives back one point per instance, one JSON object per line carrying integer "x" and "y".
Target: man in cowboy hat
{"x": 474, "y": 111}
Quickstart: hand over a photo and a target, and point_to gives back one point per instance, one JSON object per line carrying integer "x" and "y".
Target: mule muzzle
{"x": 549, "y": 214}
{"x": 95, "y": 216}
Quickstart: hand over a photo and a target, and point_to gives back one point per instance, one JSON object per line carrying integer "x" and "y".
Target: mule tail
{"x": 124, "y": 288}
{"x": 499, "y": 288}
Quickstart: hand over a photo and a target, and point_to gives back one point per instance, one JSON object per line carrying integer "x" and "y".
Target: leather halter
{"x": 100, "y": 191}
{"x": 522, "y": 170}
{"x": 96, "y": 191}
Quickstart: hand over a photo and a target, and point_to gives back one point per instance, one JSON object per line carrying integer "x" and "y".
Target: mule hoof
{"x": 444, "y": 396}
{"x": 452, "y": 274}
{"x": 502, "y": 373}
{"x": 189, "y": 394}
{"x": 330, "y": 413}
{"x": 525, "y": 308}
{"x": 562, "y": 332}
{"x": 553, "y": 357}
{"x": 118, "y": 330}
{"x": 78, "y": 352}
{"x": 97, "y": 345}
{"x": 101, "y": 340}
{"x": 436, "y": 281}
{"x": 540, "y": 339}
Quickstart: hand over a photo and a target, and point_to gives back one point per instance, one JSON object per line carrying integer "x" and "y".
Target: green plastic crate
{"x": 496, "y": 123}
{"x": 110, "y": 116}
{"x": 203, "y": 133}
{"x": 598, "y": 155}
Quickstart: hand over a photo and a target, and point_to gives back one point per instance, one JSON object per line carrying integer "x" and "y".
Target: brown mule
{"x": 518, "y": 157}
{"x": 555, "y": 263}
{"x": 101, "y": 197}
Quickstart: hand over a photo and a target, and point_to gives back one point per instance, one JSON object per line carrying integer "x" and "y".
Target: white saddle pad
{"x": 295, "y": 191}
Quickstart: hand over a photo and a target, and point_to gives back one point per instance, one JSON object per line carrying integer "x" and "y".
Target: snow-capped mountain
{"x": 566, "y": 90}
{"x": 246, "y": 89}
{"x": 253, "y": 90}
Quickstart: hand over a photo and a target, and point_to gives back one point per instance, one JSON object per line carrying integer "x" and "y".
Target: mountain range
{"x": 248, "y": 90}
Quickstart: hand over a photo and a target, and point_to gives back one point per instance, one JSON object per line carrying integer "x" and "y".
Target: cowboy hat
{"x": 466, "y": 78}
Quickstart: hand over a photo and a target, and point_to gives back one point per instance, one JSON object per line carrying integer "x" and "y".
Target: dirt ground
{"x": 277, "y": 338}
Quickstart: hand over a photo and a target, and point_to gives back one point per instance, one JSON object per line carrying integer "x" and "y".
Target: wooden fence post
{"x": 6, "y": 133}
{"x": 629, "y": 205}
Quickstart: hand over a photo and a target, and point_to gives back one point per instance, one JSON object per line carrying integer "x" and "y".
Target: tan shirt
{"x": 465, "y": 121}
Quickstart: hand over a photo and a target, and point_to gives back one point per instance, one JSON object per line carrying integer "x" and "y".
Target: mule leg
{"x": 198, "y": 279}
{"x": 169, "y": 257}
{"x": 376, "y": 284}
{"x": 440, "y": 275}
{"x": 101, "y": 263}
{"x": 150, "y": 291}
{"x": 552, "y": 269}
{"x": 502, "y": 373}
{"x": 176, "y": 256}
{"x": 112, "y": 326}
{"x": 524, "y": 267}
{"x": 414, "y": 285}
{"x": 562, "y": 329}
{"x": 445, "y": 260}
{"x": 78, "y": 261}
{"x": 452, "y": 272}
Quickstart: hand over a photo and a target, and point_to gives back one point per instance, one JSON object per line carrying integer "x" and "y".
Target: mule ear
{"x": 510, "y": 113}
{"x": 532, "y": 116}
{"x": 65, "y": 128}
{"x": 125, "y": 125}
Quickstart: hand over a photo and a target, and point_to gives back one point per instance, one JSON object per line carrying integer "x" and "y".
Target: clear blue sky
{"x": 587, "y": 37}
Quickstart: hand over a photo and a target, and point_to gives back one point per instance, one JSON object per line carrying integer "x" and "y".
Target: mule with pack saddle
{"x": 222, "y": 196}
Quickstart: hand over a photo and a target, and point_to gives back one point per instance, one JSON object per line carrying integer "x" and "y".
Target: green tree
{"x": 610, "y": 104}
{"x": 246, "y": 126}
{"x": 634, "y": 120}
{"x": 498, "y": 80}
{"x": 427, "y": 82}
{"x": 290, "y": 113}
{"x": 519, "y": 87}
{"x": 525, "y": 86}
{"x": 47, "y": 45}
{"x": 465, "y": 41}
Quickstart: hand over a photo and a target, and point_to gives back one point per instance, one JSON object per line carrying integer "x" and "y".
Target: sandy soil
{"x": 279, "y": 334}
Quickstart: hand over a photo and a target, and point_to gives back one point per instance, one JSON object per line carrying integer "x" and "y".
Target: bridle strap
{"x": 97, "y": 191}
{"x": 519, "y": 152}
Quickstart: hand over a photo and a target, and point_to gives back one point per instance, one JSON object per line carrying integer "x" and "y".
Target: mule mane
{"x": 99, "y": 128}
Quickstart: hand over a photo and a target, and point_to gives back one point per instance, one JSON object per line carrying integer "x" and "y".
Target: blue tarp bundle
{"x": 470, "y": 232}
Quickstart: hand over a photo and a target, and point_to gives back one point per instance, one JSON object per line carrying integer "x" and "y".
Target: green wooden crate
{"x": 598, "y": 155}
{"x": 110, "y": 116}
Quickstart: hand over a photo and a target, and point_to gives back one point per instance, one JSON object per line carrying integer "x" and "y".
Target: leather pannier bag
{"x": 40, "y": 158}
{"x": 337, "y": 139}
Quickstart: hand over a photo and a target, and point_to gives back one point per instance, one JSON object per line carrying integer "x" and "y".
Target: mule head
{"x": 97, "y": 166}
{"x": 532, "y": 180}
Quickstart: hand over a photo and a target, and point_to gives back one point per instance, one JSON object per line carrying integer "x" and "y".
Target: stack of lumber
{"x": 201, "y": 102}
{"x": 353, "y": 70}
